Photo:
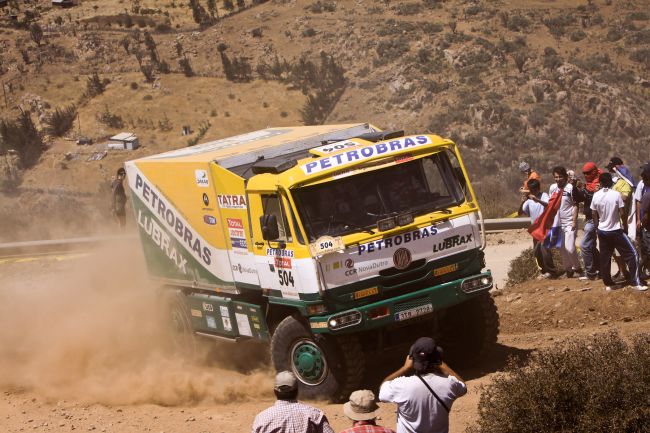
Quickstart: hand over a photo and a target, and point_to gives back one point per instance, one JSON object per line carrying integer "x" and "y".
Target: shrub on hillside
{"x": 600, "y": 384}
{"x": 95, "y": 85}
{"x": 22, "y": 136}
{"x": 408, "y": 8}
{"x": 61, "y": 120}
{"x": 522, "y": 268}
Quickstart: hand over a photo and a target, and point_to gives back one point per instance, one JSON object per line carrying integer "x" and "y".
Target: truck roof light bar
{"x": 273, "y": 166}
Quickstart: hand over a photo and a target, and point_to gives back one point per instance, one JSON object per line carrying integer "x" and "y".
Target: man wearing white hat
{"x": 287, "y": 415}
{"x": 362, "y": 410}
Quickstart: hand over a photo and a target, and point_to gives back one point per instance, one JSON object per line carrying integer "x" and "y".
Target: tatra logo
{"x": 236, "y": 201}
{"x": 402, "y": 258}
{"x": 452, "y": 241}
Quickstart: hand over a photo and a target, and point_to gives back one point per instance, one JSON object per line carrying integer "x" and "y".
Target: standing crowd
{"x": 616, "y": 209}
{"x": 423, "y": 389}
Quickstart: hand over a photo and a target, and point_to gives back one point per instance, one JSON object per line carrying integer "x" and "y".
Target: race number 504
{"x": 285, "y": 277}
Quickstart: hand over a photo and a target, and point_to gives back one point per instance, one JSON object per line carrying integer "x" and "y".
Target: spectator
{"x": 533, "y": 205}
{"x": 566, "y": 222}
{"x": 288, "y": 415}
{"x": 584, "y": 194}
{"x": 362, "y": 410}
{"x": 424, "y": 398}
{"x": 606, "y": 205}
{"x": 644, "y": 216}
{"x": 623, "y": 185}
{"x": 524, "y": 167}
{"x": 118, "y": 198}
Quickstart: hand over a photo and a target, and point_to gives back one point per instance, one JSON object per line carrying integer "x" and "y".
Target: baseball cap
{"x": 613, "y": 162}
{"x": 361, "y": 406}
{"x": 285, "y": 381}
{"x": 425, "y": 353}
{"x": 524, "y": 166}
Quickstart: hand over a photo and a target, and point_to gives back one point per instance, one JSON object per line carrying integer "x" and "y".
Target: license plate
{"x": 414, "y": 312}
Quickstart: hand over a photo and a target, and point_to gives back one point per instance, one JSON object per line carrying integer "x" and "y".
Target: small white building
{"x": 124, "y": 141}
{"x": 65, "y": 3}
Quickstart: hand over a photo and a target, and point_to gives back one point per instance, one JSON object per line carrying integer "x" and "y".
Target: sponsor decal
{"x": 209, "y": 219}
{"x": 349, "y": 263}
{"x": 196, "y": 313}
{"x": 206, "y": 199}
{"x": 243, "y": 269}
{"x": 279, "y": 252}
{"x": 445, "y": 270}
{"x": 202, "y": 178}
{"x": 227, "y": 325}
{"x": 451, "y": 242}
{"x": 397, "y": 240}
{"x": 211, "y": 321}
{"x": 207, "y": 307}
{"x": 283, "y": 262}
{"x": 224, "y": 311}
{"x": 318, "y": 325}
{"x": 162, "y": 239}
{"x": 235, "y": 223}
{"x": 236, "y": 233}
{"x": 366, "y": 292}
{"x": 366, "y": 267}
{"x": 238, "y": 243}
{"x": 363, "y": 153}
{"x": 402, "y": 258}
{"x": 227, "y": 201}
{"x": 167, "y": 214}
{"x": 335, "y": 147}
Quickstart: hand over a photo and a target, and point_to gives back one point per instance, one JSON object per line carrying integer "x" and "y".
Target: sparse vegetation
{"x": 523, "y": 268}
{"x": 95, "y": 85}
{"x": 61, "y": 120}
{"x": 596, "y": 384}
{"x": 110, "y": 119}
{"x": 22, "y": 136}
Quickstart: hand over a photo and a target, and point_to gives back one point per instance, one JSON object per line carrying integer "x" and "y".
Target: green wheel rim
{"x": 308, "y": 362}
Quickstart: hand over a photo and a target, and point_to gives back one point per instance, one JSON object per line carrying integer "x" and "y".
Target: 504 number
{"x": 285, "y": 278}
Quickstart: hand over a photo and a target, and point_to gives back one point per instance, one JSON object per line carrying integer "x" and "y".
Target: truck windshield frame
{"x": 355, "y": 203}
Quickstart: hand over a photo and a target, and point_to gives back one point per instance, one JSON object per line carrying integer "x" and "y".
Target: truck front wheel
{"x": 180, "y": 326}
{"x": 326, "y": 366}
{"x": 469, "y": 331}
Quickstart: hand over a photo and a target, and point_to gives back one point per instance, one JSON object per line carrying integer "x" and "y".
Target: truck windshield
{"x": 355, "y": 203}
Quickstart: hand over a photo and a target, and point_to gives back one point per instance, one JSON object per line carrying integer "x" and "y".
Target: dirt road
{"x": 81, "y": 349}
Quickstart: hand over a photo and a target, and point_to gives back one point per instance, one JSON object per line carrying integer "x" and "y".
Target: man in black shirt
{"x": 118, "y": 199}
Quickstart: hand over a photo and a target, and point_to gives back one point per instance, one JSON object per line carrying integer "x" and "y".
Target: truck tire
{"x": 179, "y": 325}
{"x": 326, "y": 366}
{"x": 469, "y": 331}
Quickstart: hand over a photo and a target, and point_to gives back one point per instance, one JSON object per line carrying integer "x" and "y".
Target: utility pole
{"x": 4, "y": 91}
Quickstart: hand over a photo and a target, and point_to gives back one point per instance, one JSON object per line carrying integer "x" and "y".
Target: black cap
{"x": 613, "y": 162}
{"x": 425, "y": 353}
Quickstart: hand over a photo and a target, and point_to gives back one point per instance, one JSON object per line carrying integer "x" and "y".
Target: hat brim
{"x": 356, "y": 416}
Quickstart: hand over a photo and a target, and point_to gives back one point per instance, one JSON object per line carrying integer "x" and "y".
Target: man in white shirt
{"x": 533, "y": 204}
{"x": 567, "y": 220}
{"x": 424, "y": 389}
{"x": 606, "y": 206}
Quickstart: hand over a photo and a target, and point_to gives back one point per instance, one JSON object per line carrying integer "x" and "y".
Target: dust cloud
{"x": 90, "y": 329}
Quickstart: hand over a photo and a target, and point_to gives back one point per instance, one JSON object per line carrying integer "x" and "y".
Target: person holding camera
{"x": 424, "y": 389}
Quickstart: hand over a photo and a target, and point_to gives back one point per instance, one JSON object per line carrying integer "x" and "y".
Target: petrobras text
{"x": 157, "y": 204}
{"x": 366, "y": 152}
{"x": 396, "y": 241}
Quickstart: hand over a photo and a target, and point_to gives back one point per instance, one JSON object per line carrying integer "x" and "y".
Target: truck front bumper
{"x": 402, "y": 308}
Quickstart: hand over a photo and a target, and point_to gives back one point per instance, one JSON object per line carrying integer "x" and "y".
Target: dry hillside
{"x": 547, "y": 81}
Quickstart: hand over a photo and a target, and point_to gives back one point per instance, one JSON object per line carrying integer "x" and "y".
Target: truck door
{"x": 277, "y": 261}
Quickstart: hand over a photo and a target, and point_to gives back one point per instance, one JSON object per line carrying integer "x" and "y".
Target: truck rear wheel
{"x": 325, "y": 366}
{"x": 469, "y": 331}
{"x": 180, "y": 326}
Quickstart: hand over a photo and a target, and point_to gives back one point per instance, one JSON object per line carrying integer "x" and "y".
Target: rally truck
{"x": 332, "y": 244}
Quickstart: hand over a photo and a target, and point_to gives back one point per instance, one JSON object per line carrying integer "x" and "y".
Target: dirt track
{"x": 80, "y": 349}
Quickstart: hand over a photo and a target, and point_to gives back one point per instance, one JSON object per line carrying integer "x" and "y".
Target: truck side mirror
{"x": 269, "y": 225}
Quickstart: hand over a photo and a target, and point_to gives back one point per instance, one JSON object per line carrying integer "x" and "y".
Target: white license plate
{"x": 414, "y": 312}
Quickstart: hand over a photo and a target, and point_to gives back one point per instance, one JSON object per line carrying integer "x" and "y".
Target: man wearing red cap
{"x": 584, "y": 194}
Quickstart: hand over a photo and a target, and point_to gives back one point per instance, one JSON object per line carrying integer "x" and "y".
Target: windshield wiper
{"x": 349, "y": 224}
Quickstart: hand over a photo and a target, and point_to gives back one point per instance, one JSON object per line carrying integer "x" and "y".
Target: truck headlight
{"x": 477, "y": 283}
{"x": 344, "y": 320}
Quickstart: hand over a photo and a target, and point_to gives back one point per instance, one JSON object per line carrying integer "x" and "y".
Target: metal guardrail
{"x": 81, "y": 244}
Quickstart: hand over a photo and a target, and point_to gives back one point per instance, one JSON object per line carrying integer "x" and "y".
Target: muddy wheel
{"x": 179, "y": 325}
{"x": 328, "y": 366}
{"x": 469, "y": 331}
